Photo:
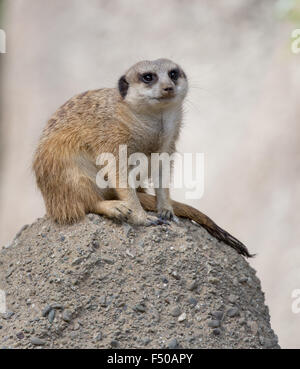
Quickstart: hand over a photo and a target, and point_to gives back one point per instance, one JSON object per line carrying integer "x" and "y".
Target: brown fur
{"x": 99, "y": 121}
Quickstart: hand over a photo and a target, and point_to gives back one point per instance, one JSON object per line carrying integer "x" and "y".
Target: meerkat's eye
{"x": 148, "y": 77}
{"x": 174, "y": 74}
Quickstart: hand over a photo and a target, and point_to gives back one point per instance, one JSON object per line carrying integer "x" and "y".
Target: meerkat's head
{"x": 153, "y": 85}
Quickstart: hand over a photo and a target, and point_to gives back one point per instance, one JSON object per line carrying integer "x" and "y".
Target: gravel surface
{"x": 101, "y": 284}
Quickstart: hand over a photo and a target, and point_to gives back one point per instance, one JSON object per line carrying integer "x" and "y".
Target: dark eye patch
{"x": 174, "y": 74}
{"x": 148, "y": 78}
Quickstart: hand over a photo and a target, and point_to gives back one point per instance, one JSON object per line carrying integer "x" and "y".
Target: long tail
{"x": 181, "y": 210}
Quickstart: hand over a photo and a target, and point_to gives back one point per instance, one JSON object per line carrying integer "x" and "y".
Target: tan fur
{"x": 147, "y": 119}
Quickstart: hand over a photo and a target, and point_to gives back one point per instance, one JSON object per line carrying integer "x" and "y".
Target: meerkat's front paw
{"x": 121, "y": 212}
{"x": 166, "y": 213}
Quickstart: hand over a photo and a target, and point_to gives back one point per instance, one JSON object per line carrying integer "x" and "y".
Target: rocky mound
{"x": 99, "y": 284}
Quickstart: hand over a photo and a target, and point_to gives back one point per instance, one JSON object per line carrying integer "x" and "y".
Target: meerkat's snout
{"x": 167, "y": 92}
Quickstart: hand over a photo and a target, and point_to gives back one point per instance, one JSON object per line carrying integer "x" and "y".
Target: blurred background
{"x": 242, "y": 112}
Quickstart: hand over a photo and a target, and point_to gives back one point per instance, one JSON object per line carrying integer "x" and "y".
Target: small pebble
{"x": 173, "y": 344}
{"x": 51, "y": 316}
{"x": 175, "y": 275}
{"x": 114, "y": 343}
{"x": 146, "y": 340}
{"x": 218, "y": 315}
{"x": 192, "y": 301}
{"x": 57, "y": 306}
{"x": 164, "y": 280}
{"x": 67, "y": 316}
{"x": 253, "y": 327}
{"x": 102, "y": 301}
{"x": 232, "y": 312}
{"x": 37, "y": 341}
{"x": 98, "y": 337}
{"x": 139, "y": 307}
{"x": 175, "y": 311}
{"x": 232, "y": 299}
{"x": 182, "y": 317}
{"x": 191, "y": 285}
{"x": 20, "y": 335}
{"x": 46, "y": 310}
{"x": 214, "y": 323}
{"x": 8, "y": 315}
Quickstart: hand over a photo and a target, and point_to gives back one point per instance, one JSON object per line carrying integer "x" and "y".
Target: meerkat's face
{"x": 153, "y": 85}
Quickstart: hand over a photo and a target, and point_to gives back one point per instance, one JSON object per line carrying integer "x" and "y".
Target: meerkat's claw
{"x": 166, "y": 214}
{"x": 123, "y": 213}
{"x": 176, "y": 219}
{"x": 156, "y": 222}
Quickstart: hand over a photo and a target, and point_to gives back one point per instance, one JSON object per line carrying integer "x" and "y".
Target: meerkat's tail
{"x": 181, "y": 210}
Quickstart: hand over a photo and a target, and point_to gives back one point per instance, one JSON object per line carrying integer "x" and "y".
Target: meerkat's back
{"x": 81, "y": 128}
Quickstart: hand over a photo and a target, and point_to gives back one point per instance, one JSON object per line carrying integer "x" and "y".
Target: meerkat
{"x": 144, "y": 112}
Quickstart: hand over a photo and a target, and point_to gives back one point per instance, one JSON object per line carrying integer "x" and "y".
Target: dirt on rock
{"x": 101, "y": 284}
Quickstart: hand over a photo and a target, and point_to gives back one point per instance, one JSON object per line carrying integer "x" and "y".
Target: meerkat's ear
{"x": 123, "y": 86}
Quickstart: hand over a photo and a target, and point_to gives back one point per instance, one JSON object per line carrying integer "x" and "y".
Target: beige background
{"x": 243, "y": 111}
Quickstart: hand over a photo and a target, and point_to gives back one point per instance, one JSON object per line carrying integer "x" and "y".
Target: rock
{"x": 269, "y": 343}
{"x": 114, "y": 344}
{"x": 253, "y": 327}
{"x": 175, "y": 311}
{"x": 77, "y": 261}
{"x": 139, "y": 307}
{"x": 218, "y": 315}
{"x": 20, "y": 335}
{"x": 214, "y": 324}
{"x": 102, "y": 301}
{"x": 192, "y": 301}
{"x": 232, "y": 298}
{"x": 57, "y": 306}
{"x": 146, "y": 340}
{"x": 191, "y": 285}
{"x": 46, "y": 310}
{"x": 51, "y": 316}
{"x": 67, "y": 316}
{"x": 37, "y": 341}
{"x": 98, "y": 337}
{"x": 7, "y": 315}
{"x": 175, "y": 275}
{"x": 232, "y": 312}
{"x": 182, "y": 317}
{"x": 111, "y": 300}
{"x": 173, "y": 344}
{"x": 164, "y": 280}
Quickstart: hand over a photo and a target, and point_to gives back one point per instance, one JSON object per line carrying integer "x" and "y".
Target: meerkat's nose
{"x": 169, "y": 89}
